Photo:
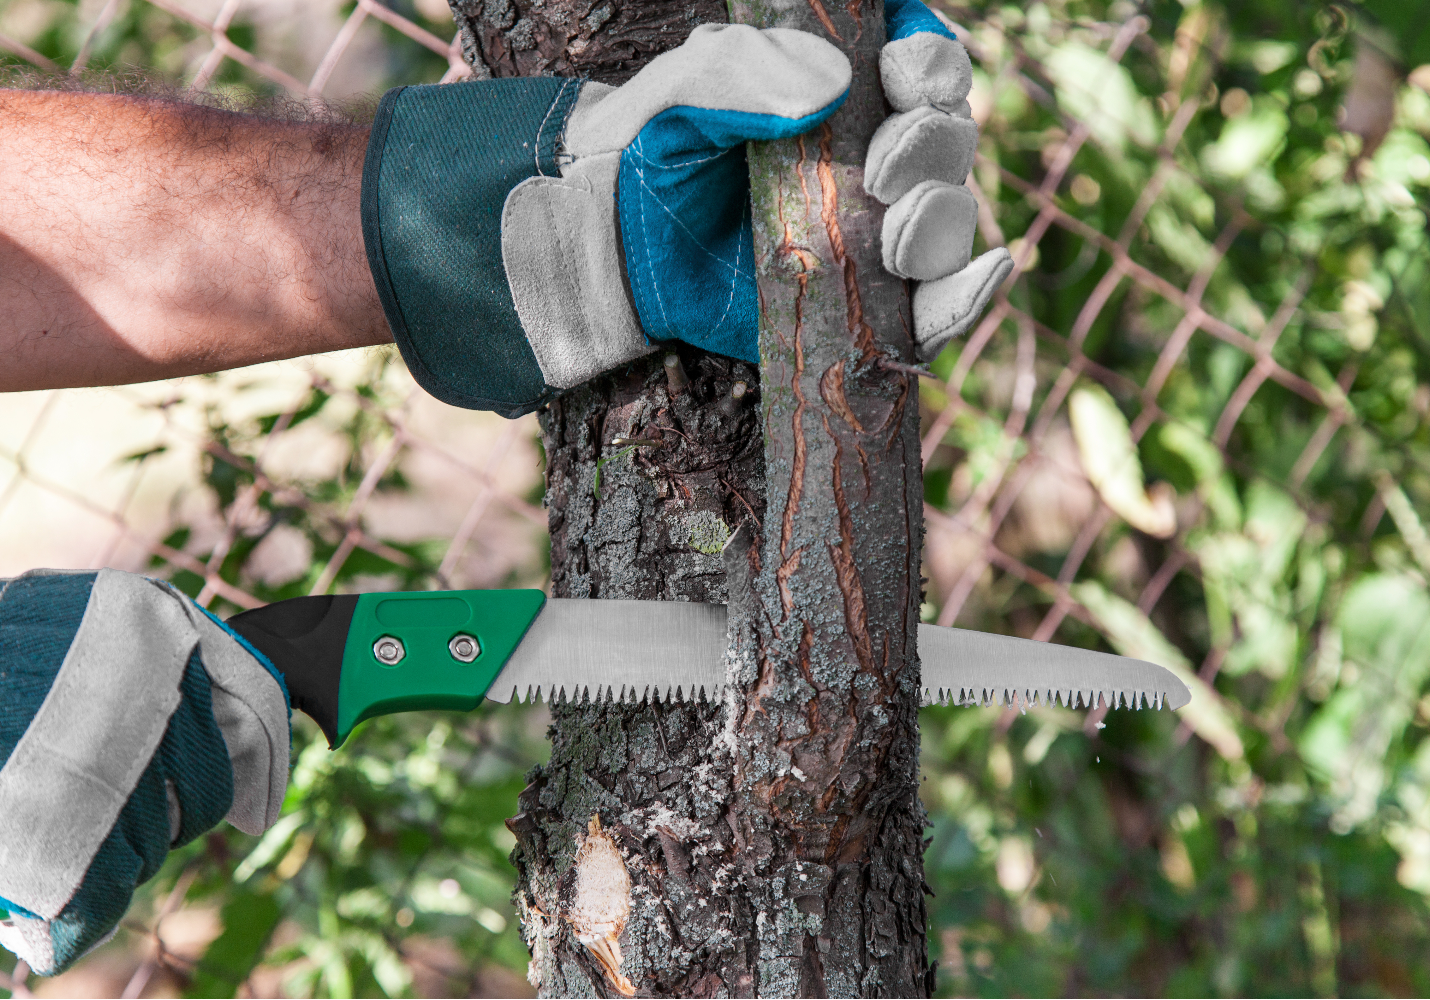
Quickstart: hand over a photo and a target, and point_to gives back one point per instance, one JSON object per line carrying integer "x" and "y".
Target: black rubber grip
{"x": 305, "y": 638}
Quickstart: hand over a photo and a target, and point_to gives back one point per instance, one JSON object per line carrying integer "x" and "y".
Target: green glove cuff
{"x": 440, "y": 163}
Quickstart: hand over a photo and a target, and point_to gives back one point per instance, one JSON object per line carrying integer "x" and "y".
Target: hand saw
{"x": 351, "y": 657}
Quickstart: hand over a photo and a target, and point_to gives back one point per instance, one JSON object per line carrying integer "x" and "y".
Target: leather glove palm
{"x": 130, "y": 722}
{"x": 917, "y": 164}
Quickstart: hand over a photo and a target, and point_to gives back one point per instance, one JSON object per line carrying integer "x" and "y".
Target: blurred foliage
{"x": 1276, "y": 838}
{"x": 1279, "y": 841}
{"x": 140, "y": 39}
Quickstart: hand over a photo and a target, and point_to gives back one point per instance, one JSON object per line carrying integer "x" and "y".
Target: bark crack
{"x": 831, "y": 388}
{"x": 846, "y": 570}
{"x": 791, "y": 559}
{"x": 861, "y": 332}
{"x": 823, "y": 16}
{"x": 855, "y": 8}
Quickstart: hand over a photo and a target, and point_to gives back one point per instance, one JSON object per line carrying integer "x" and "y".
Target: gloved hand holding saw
{"x": 528, "y": 234}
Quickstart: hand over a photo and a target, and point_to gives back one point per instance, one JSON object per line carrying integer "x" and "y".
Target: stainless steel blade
{"x": 961, "y": 667}
{"x": 658, "y": 649}
{"x": 620, "y": 649}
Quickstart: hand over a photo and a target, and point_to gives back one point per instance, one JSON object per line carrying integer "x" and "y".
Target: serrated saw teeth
{"x": 1030, "y": 697}
{"x": 626, "y": 694}
{"x": 1082, "y": 699}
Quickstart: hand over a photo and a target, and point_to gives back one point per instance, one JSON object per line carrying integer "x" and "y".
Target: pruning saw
{"x": 347, "y": 658}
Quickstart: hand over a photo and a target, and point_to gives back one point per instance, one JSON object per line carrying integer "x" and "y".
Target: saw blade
{"x": 962, "y": 667}
{"x": 580, "y": 649}
{"x": 630, "y": 650}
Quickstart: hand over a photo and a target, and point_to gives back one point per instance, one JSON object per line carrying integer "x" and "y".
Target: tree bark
{"x": 827, "y": 754}
{"x": 772, "y": 842}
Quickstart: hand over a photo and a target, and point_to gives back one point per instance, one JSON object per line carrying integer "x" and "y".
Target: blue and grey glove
{"x": 130, "y": 722}
{"x": 528, "y": 234}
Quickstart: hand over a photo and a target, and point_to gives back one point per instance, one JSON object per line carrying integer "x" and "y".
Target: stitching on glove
{"x": 645, "y": 228}
{"x": 665, "y": 208}
{"x": 656, "y": 198}
{"x": 557, "y": 102}
{"x": 639, "y": 166}
{"x": 739, "y": 253}
{"x": 689, "y": 163}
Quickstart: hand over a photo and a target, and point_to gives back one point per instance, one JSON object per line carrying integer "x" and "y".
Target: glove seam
{"x": 257, "y": 655}
{"x": 371, "y": 219}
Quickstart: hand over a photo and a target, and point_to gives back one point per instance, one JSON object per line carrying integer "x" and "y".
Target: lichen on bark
{"x": 657, "y": 774}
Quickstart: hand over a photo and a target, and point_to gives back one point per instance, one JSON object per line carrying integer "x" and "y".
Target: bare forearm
{"x": 144, "y": 238}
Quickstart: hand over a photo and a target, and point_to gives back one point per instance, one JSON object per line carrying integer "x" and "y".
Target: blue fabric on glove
{"x": 39, "y": 618}
{"x": 453, "y": 171}
{"x": 903, "y": 18}
{"x": 686, "y": 225}
{"x": 685, "y": 219}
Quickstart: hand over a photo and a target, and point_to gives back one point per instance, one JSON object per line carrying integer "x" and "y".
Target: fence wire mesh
{"x": 1168, "y": 320}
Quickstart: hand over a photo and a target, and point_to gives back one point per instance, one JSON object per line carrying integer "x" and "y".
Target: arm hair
{"x": 145, "y": 235}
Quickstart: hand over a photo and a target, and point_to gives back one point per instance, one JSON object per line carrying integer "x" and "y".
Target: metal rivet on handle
{"x": 464, "y": 648}
{"x": 389, "y": 651}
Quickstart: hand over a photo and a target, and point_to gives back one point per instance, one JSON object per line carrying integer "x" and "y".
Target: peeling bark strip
{"x": 789, "y": 561}
{"x": 829, "y": 214}
{"x": 770, "y": 846}
{"x": 824, "y": 20}
{"x": 846, "y": 573}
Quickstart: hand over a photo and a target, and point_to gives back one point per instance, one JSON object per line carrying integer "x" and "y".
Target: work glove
{"x": 918, "y": 161}
{"x": 130, "y": 722}
{"x": 528, "y": 234}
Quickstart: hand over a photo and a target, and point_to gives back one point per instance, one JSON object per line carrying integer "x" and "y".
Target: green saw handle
{"x": 348, "y": 658}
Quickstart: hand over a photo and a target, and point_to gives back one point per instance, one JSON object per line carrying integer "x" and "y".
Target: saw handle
{"x": 304, "y": 638}
{"x": 352, "y": 657}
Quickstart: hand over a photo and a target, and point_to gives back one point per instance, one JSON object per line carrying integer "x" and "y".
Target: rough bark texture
{"x": 657, "y": 774}
{"x": 772, "y": 842}
{"x": 604, "y": 40}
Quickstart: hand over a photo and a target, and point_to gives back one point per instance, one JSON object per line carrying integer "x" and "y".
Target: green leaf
{"x": 1104, "y": 443}
{"x": 1247, "y": 142}
{"x": 1179, "y": 240}
{"x": 1101, "y": 92}
{"x": 1194, "y": 448}
{"x": 1133, "y": 634}
{"x": 248, "y": 923}
{"x": 1384, "y": 622}
{"x": 1245, "y": 575}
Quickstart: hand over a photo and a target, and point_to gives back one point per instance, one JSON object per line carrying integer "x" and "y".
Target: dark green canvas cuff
{"x": 440, "y": 163}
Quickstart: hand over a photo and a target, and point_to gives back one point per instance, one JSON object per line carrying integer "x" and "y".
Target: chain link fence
{"x": 332, "y": 473}
{"x": 1191, "y": 429}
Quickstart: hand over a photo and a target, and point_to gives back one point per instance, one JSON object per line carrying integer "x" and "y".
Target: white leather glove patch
{"x": 918, "y": 162}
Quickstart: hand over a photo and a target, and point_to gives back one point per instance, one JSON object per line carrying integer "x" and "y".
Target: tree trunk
{"x": 772, "y": 843}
